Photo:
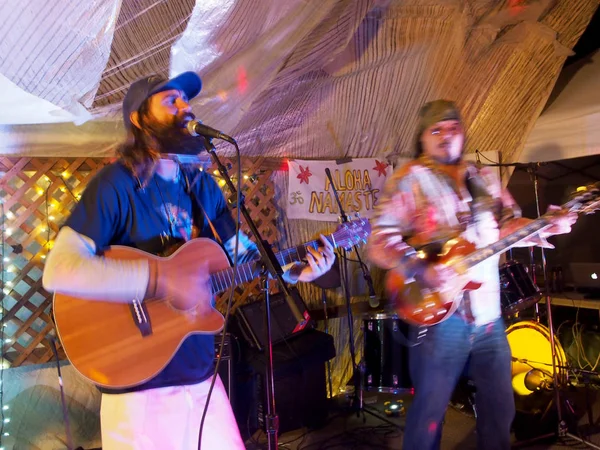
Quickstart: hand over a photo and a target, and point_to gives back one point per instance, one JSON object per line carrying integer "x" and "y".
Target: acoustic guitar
{"x": 423, "y": 305}
{"x": 120, "y": 345}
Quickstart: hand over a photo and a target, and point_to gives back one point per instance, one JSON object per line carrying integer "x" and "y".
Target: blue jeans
{"x": 436, "y": 366}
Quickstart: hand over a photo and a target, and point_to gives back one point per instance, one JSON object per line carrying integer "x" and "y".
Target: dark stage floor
{"x": 346, "y": 430}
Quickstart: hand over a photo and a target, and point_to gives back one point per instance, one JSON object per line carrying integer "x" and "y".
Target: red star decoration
{"x": 304, "y": 175}
{"x": 381, "y": 168}
{"x": 515, "y": 7}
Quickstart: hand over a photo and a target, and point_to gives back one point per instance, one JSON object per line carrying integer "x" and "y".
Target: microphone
{"x": 197, "y": 128}
{"x": 373, "y": 300}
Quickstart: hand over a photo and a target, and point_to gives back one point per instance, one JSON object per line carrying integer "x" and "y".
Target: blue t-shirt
{"x": 115, "y": 210}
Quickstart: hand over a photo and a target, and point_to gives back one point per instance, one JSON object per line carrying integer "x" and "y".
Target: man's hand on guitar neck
{"x": 561, "y": 220}
{"x": 182, "y": 281}
{"x": 319, "y": 262}
{"x": 561, "y": 223}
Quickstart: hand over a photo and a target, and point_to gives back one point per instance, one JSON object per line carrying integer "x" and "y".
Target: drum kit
{"x": 387, "y": 340}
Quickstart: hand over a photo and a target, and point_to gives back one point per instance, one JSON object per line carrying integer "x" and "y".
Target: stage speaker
{"x": 251, "y": 320}
{"x": 300, "y": 385}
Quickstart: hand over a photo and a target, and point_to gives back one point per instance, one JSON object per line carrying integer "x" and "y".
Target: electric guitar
{"x": 120, "y": 345}
{"x": 419, "y": 304}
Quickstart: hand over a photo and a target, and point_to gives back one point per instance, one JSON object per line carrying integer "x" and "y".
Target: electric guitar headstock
{"x": 585, "y": 200}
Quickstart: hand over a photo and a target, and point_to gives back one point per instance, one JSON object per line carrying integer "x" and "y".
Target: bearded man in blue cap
{"x": 148, "y": 201}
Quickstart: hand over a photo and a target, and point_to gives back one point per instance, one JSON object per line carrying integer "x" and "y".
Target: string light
{"x": 3, "y": 232}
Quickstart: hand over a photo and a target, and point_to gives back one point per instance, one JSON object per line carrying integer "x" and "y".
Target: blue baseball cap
{"x": 187, "y": 82}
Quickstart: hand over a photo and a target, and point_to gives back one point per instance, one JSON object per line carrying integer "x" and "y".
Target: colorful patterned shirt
{"x": 424, "y": 204}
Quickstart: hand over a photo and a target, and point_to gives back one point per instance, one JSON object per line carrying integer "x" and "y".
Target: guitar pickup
{"x": 141, "y": 318}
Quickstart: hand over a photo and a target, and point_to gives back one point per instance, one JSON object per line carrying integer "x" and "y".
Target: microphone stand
{"x": 562, "y": 428}
{"x": 270, "y": 267}
{"x": 357, "y": 375}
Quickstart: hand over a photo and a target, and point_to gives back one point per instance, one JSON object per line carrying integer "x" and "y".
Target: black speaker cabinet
{"x": 300, "y": 384}
{"x": 251, "y": 320}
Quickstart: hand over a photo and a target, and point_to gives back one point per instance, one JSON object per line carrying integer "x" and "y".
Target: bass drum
{"x": 529, "y": 343}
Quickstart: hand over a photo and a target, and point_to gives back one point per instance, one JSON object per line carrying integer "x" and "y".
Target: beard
{"x": 172, "y": 137}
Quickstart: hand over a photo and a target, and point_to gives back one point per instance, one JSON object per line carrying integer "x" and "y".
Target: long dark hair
{"x": 140, "y": 151}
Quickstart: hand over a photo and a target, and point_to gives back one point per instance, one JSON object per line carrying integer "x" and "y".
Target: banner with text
{"x": 358, "y": 183}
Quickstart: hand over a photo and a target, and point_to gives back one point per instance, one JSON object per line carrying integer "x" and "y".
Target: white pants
{"x": 169, "y": 419}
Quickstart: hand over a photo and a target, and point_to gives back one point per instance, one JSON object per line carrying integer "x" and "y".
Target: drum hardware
{"x": 557, "y": 371}
{"x": 562, "y": 428}
{"x": 357, "y": 404}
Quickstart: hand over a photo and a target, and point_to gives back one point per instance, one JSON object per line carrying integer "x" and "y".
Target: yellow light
{"x": 78, "y": 196}
{"x": 201, "y": 169}
{"x": 51, "y": 217}
{"x": 42, "y": 229}
{"x": 46, "y": 178}
{"x": 582, "y": 188}
{"x": 10, "y": 215}
{"x": 43, "y": 256}
{"x": 8, "y": 231}
{"x": 222, "y": 95}
{"x": 215, "y": 172}
{"x": 246, "y": 177}
{"x": 40, "y": 191}
{"x": 66, "y": 174}
{"x": 63, "y": 189}
{"x": 50, "y": 244}
{"x": 221, "y": 182}
{"x": 10, "y": 269}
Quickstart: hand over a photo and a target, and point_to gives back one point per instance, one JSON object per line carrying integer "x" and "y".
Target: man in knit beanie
{"x": 425, "y": 204}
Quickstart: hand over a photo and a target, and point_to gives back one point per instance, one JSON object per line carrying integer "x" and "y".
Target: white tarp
{"x": 294, "y": 78}
{"x": 570, "y": 126}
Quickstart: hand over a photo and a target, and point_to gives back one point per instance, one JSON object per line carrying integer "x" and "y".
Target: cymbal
{"x": 361, "y": 308}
